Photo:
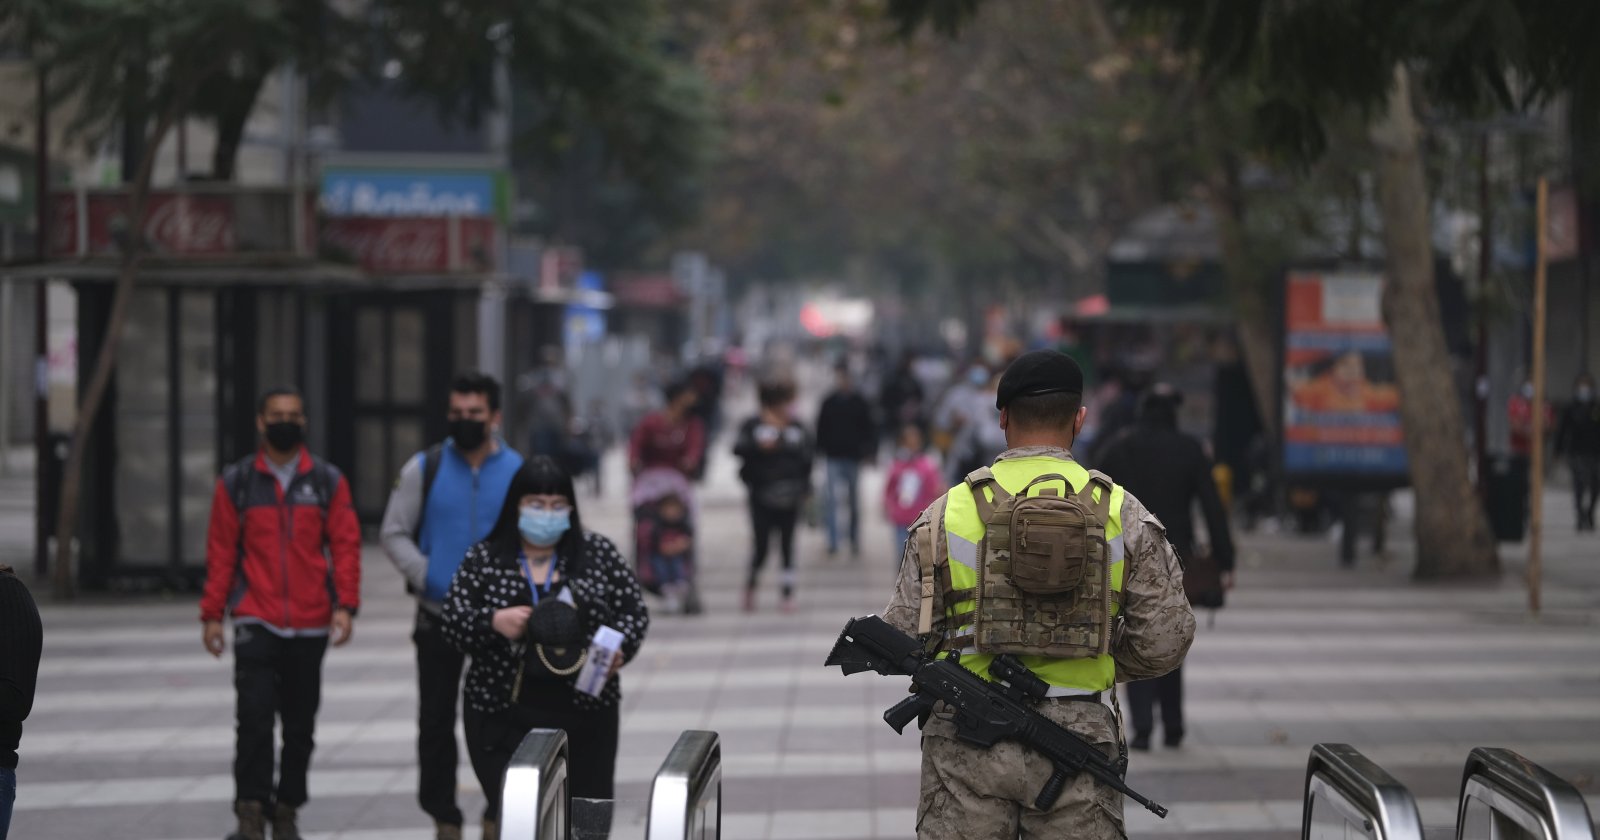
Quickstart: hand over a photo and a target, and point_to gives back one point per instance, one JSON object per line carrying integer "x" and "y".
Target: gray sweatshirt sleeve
{"x": 401, "y": 518}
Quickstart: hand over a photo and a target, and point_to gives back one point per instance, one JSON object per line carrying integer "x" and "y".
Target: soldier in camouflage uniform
{"x": 970, "y": 792}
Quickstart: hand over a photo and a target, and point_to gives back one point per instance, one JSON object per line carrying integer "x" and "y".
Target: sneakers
{"x": 749, "y": 604}
{"x": 252, "y": 821}
{"x": 491, "y": 830}
{"x": 787, "y": 605}
{"x": 284, "y": 826}
{"x": 446, "y": 831}
{"x": 1140, "y": 742}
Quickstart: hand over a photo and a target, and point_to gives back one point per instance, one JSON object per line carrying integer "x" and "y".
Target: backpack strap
{"x": 1102, "y": 505}
{"x": 432, "y": 457}
{"x": 325, "y": 480}
{"x": 932, "y": 554}
{"x": 976, "y": 481}
{"x": 236, "y": 480}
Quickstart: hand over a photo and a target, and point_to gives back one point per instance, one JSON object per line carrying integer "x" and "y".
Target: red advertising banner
{"x": 200, "y": 223}
{"x": 387, "y": 245}
{"x": 176, "y": 223}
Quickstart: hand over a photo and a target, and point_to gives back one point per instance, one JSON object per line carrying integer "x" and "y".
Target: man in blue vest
{"x": 446, "y": 499}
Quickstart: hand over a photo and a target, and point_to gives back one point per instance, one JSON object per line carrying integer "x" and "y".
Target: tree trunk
{"x": 106, "y": 360}
{"x": 231, "y": 119}
{"x": 1452, "y": 528}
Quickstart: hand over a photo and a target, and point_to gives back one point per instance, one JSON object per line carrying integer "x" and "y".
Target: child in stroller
{"x": 664, "y": 538}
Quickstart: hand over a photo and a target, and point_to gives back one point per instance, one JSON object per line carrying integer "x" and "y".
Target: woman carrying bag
{"x": 527, "y": 604}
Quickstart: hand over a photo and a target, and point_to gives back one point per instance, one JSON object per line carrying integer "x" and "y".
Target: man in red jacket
{"x": 283, "y": 557}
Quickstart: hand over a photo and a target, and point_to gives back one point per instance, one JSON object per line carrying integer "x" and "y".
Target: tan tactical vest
{"x": 1044, "y": 570}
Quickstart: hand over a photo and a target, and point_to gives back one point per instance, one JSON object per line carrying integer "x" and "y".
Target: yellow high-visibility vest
{"x": 964, "y": 530}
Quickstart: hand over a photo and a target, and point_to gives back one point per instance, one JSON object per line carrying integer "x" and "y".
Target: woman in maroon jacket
{"x": 673, "y": 437}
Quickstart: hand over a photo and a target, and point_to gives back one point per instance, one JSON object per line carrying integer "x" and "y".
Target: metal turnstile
{"x": 686, "y": 796}
{"x": 534, "y": 803}
{"x": 1507, "y": 797}
{"x": 1347, "y": 796}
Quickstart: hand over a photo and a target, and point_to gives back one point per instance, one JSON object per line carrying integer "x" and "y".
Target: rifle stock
{"x": 985, "y": 713}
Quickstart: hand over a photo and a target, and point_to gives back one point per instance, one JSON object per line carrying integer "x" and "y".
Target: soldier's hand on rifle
{"x": 511, "y": 622}
{"x": 211, "y": 637}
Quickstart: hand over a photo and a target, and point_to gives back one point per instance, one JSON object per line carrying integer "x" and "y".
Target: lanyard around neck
{"x": 527, "y": 572}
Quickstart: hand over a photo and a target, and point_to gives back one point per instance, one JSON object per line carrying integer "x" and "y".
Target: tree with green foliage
{"x": 142, "y": 65}
{"x": 1310, "y": 66}
{"x": 117, "y": 58}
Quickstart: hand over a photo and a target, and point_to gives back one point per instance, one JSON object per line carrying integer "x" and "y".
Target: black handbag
{"x": 1202, "y": 579}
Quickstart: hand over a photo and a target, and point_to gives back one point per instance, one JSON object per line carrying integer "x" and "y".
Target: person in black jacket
{"x": 1168, "y": 471}
{"x": 525, "y": 604}
{"x": 21, "y": 638}
{"x": 776, "y": 451}
{"x": 847, "y": 438}
{"x": 1578, "y": 439}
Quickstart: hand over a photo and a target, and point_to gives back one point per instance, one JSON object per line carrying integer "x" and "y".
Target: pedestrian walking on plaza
{"x": 526, "y": 605}
{"x": 1169, "y": 471}
{"x": 1578, "y": 440}
{"x": 912, "y": 483}
{"x": 446, "y": 499}
{"x": 777, "y": 453}
{"x": 901, "y": 397}
{"x": 980, "y": 439}
{"x": 847, "y": 438}
{"x": 1124, "y": 618}
{"x": 283, "y": 559}
{"x": 21, "y": 637}
{"x": 673, "y": 437}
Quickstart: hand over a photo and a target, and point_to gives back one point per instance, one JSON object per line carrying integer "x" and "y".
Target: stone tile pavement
{"x": 131, "y": 735}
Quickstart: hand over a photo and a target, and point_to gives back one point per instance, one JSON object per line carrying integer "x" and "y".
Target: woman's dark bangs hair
{"x": 542, "y": 476}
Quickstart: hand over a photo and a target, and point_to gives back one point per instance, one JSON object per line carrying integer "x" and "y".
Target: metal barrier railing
{"x": 686, "y": 796}
{"x": 1348, "y": 796}
{"x": 1507, "y": 797}
{"x": 533, "y": 798}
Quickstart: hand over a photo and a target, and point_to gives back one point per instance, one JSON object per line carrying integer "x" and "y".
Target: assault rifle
{"x": 985, "y": 712}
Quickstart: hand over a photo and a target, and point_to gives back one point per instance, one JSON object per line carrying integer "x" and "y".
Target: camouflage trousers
{"x": 976, "y": 794}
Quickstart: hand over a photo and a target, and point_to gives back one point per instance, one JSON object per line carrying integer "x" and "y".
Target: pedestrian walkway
{"x": 132, "y": 731}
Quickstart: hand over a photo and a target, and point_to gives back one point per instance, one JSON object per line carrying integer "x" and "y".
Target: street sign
{"x": 412, "y": 193}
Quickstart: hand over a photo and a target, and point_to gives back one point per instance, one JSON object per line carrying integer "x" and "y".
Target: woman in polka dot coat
{"x": 524, "y": 604}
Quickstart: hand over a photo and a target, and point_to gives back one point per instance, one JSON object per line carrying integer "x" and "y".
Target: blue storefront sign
{"x": 392, "y": 192}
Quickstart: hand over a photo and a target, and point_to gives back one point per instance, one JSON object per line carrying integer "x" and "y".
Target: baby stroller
{"x": 663, "y": 533}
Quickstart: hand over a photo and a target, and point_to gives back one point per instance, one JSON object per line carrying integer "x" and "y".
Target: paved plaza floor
{"x": 132, "y": 731}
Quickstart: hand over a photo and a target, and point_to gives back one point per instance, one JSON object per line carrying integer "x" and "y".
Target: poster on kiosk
{"x": 1341, "y": 405}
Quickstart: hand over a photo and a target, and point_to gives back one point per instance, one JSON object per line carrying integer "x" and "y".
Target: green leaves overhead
{"x": 1307, "y": 60}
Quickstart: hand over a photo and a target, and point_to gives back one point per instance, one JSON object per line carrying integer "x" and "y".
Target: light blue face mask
{"x": 543, "y": 528}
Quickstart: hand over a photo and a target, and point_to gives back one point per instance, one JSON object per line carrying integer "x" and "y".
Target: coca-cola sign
{"x": 410, "y": 245}
{"x": 175, "y": 223}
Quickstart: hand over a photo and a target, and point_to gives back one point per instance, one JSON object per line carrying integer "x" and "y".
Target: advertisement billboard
{"x": 1341, "y": 405}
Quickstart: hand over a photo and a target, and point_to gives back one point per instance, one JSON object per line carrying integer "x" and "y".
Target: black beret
{"x": 1039, "y": 372}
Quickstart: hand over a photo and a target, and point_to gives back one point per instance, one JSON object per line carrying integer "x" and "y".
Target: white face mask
{"x": 1527, "y": 391}
{"x": 1584, "y": 393}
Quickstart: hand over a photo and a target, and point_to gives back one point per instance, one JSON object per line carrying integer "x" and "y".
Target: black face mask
{"x": 285, "y": 436}
{"x": 469, "y": 434}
